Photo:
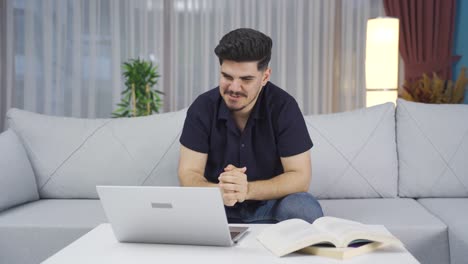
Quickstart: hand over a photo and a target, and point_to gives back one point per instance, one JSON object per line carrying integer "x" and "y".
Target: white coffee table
{"x": 100, "y": 246}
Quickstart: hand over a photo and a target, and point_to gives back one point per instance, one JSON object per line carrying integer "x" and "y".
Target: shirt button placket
{"x": 241, "y": 153}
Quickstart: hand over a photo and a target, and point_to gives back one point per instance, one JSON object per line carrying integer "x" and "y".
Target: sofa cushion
{"x": 354, "y": 153}
{"x": 432, "y": 143}
{"x": 32, "y": 232}
{"x": 454, "y": 213}
{"x": 70, "y": 156}
{"x": 424, "y": 235}
{"x": 17, "y": 182}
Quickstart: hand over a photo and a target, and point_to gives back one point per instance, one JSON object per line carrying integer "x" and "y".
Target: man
{"x": 248, "y": 137}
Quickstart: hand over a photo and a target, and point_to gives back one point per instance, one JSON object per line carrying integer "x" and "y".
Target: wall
{"x": 461, "y": 39}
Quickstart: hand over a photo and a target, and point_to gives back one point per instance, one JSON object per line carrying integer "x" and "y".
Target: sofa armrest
{"x": 17, "y": 181}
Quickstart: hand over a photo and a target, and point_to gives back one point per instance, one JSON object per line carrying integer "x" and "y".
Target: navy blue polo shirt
{"x": 275, "y": 129}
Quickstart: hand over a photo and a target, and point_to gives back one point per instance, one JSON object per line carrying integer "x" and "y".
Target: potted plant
{"x": 435, "y": 90}
{"x": 139, "y": 98}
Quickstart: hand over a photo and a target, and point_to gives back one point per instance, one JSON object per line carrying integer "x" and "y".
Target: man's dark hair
{"x": 245, "y": 44}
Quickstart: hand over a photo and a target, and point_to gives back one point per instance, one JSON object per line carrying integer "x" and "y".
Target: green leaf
{"x": 140, "y": 73}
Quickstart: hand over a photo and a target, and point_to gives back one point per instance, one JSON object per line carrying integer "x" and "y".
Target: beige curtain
{"x": 318, "y": 48}
{"x": 63, "y": 57}
{"x": 2, "y": 63}
{"x": 69, "y": 53}
{"x": 6, "y": 60}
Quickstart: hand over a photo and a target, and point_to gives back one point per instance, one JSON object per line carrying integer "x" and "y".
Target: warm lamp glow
{"x": 382, "y": 60}
{"x": 380, "y": 97}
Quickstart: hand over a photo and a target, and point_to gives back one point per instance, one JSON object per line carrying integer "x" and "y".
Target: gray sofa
{"x": 405, "y": 168}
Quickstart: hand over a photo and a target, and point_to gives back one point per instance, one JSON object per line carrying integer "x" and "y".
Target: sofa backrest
{"x": 354, "y": 153}
{"x": 17, "y": 182}
{"x": 432, "y": 143}
{"x": 70, "y": 156}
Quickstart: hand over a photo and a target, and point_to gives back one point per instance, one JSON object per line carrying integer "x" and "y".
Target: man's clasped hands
{"x": 233, "y": 184}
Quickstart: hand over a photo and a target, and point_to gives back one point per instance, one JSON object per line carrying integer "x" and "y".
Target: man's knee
{"x": 299, "y": 205}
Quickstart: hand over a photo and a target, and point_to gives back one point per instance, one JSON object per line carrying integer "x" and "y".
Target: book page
{"x": 347, "y": 231}
{"x": 342, "y": 253}
{"x": 291, "y": 235}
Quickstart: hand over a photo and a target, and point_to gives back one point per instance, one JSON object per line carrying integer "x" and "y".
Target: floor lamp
{"x": 382, "y": 60}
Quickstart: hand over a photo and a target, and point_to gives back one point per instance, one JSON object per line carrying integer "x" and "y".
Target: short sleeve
{"x": 293, "y": 137}
{"x": 195, "y": 134}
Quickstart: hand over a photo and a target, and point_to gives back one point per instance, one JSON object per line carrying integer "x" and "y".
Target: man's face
{"x": 240, "y": 83}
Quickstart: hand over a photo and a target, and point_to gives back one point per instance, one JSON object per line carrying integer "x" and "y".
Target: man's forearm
{"x": 193, "y": 179}
{"x": 278, "y": 187}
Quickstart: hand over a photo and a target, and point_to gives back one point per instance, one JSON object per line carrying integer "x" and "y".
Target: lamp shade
{"x": 382, "y": 59}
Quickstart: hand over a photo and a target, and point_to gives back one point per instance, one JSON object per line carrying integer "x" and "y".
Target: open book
{"x": 327, "y": 236}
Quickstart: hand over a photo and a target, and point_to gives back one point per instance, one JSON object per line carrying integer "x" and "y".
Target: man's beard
{"x": 235, "y": 93}
{"x": 241, "y": 95}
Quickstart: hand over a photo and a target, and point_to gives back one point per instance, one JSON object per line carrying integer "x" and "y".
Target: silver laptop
{"x": 168, "y": 215}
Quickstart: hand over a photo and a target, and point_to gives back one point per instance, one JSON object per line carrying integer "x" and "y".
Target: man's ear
{"x": 266, "y": 76}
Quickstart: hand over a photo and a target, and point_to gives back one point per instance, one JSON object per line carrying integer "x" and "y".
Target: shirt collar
{"x": 223, "y": 111}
